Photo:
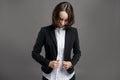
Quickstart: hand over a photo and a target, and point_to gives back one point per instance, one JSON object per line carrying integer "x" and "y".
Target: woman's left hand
{"x": 66, "y": 65}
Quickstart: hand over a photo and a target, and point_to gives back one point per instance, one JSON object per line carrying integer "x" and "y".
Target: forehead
{"x": 63, "y": 15}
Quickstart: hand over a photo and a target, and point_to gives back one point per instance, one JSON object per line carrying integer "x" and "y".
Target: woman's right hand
{"x": 54, "y": 64}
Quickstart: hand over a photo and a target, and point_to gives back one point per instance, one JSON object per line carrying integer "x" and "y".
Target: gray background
{"x": 98, "y": 23}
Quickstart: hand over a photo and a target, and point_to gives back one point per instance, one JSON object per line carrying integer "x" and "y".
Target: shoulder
{"x": 74, "y": 29}
{"x": 46, "y": 28}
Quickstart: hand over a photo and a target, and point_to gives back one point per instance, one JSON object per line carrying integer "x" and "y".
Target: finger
{"x": 64, "y": 65}
{"x": 56, "y": 66}
{"x": 65, "y": 68}
{"x": 55, "y": 62}
{"x": 64, "y": 62}
{"x": 58, "y": 60}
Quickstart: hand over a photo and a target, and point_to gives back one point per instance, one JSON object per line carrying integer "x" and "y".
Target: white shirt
{"x": 59, "y": 73}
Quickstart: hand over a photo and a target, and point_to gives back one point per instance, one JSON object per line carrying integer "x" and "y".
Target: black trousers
{"x": 73, "y": 78}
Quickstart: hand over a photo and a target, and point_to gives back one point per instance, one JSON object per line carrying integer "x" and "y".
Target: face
{"x": 63, "y": 20}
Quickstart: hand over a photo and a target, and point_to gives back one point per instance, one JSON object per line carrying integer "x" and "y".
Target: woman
{"x": 58, "y": 40}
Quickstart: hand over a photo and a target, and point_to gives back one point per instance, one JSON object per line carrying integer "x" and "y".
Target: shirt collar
{"x": 60, "y": 28}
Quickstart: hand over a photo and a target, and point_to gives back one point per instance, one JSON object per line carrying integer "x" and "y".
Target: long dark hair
{"x": 63, "y": 6}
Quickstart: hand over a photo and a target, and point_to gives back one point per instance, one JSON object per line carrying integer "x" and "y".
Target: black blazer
{"x": 46, "y": 38}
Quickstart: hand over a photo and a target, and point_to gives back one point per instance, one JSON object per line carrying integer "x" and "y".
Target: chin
{"x": 61, "y": 26}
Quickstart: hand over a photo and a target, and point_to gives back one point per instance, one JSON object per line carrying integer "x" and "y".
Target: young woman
{"x": 58, "y": 40}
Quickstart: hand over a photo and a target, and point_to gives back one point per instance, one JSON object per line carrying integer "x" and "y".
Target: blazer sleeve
{"x": 37, "y": 49}
{"x": 76, "y": 49}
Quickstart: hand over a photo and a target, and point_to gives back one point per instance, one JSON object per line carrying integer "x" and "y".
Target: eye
{"x": 66, "y": 20}
{"x": 63, "y": 19}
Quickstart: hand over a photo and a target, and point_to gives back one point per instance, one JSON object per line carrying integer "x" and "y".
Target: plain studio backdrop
{"x": 98, "y": 24}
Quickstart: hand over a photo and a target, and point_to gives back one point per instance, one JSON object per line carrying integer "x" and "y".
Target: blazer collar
{"x": 54, "y": 27}
{"x": 52, "y": 34}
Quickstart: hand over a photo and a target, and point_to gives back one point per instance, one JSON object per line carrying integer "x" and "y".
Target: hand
{"x": 66, "y": 65}
{"x": 54, "y": 64}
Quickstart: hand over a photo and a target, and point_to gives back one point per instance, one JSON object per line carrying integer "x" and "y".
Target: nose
{"x": 62, "y": 23}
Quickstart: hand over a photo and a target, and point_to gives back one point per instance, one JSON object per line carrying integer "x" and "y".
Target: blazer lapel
{"x": 52, "y": 34}
{"x": 67, "y": 38}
